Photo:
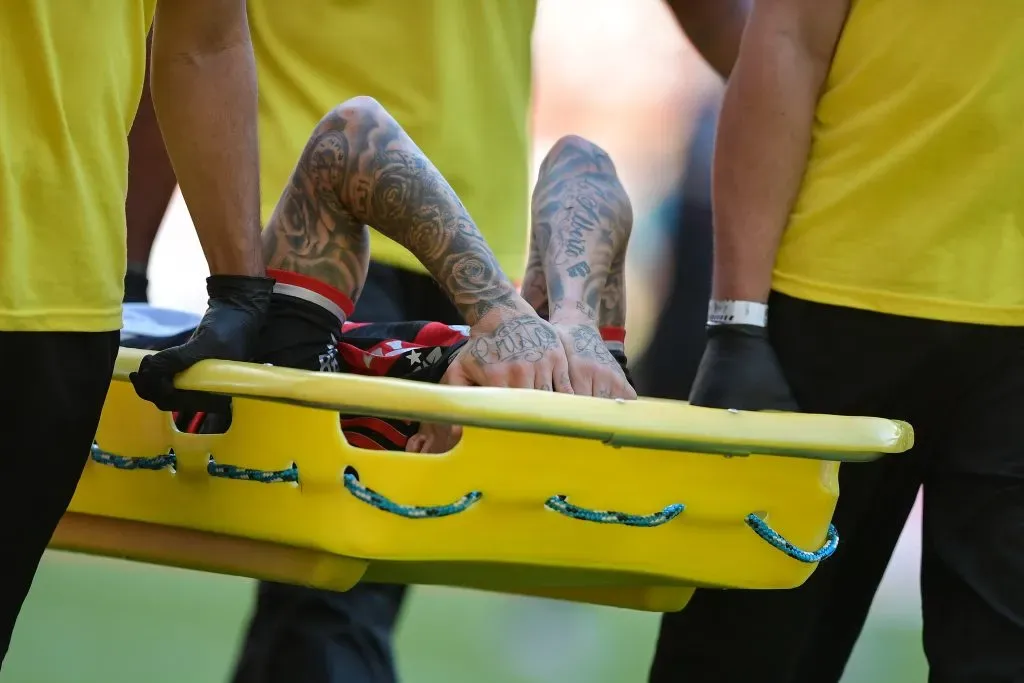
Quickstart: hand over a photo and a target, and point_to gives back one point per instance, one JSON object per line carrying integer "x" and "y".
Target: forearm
{"x": 581, "y": 220}
{"x": 151, "y": 180}
{"x": 714, "y": 27}
{"x": 764, "y": 138}
{"x": 385, "y": 181}
{"x": 204, "y": 95}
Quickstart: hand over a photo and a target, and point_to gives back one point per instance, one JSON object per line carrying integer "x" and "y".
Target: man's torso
{"x": 454, "y": 73}
{"x": 912, "y": 203}
{"x": 70, "y": 76}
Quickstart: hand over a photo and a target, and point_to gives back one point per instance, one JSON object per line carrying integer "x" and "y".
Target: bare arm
{"x": 360, "y": 168}
{"x": 151, "y": 180}
{"x": 764, "y": 137}
{"x": 714, "y": 27}
{"x": 204, "y": 95}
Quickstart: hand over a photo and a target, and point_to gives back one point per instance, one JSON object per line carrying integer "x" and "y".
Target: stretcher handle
{"x": 647, "y": 423}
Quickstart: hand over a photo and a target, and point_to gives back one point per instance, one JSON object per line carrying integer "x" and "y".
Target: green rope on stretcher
{"x": 157, "y": 462}
{"x": 558, "y": 503}
{"x": 289, "y": 475}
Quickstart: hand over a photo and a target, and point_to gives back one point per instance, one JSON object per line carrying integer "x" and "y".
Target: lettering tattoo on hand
{"x": 524, "y": 338}
{"x": 587, "y": 343}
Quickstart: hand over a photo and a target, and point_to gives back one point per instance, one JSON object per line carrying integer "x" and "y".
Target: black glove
{"x": 739, "y": 370}
{"x": 235, "y": 313}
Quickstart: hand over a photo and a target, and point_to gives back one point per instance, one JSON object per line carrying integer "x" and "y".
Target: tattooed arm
{"x": 582, "y": 220}
{"x": 359, "y": 168}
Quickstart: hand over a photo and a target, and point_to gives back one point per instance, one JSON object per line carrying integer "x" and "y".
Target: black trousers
{"x": 55, "y": 385}
{"x": 306, "y": 635}
{"x": 962, "y": 388}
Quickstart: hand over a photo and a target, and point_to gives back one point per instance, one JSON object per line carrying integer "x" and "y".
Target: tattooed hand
{"x": 518, "y": 350}
{"x": 593, "y": 370}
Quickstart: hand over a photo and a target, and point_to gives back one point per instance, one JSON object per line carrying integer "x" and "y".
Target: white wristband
{"x": 737, "y": 313}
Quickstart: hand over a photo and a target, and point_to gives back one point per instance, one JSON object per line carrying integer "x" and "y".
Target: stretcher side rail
{"x": 646, "y": 423}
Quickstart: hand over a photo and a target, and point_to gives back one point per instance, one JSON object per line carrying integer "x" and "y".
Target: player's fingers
{"x": 560, "y": 374}
{"x": 540, "y": 378}
{"x": 415, "y": 443}
{"x": 456, "y": 434}
{"x": 582, "y": 381}
{"x": 490, "y": 375}
{"x": 625, "y": 390}
{"x": 602, "y": 388}
{"x": 519, "y": 376}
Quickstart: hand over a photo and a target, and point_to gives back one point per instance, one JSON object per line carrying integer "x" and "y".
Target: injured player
{"x": 564, "y": 332}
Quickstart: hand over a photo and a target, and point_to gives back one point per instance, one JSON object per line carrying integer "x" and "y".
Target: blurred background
{"x": 621, "y": 74}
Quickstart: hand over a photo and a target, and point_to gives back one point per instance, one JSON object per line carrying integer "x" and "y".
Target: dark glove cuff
{"x": 728, "y": 330}
{"x": 227, "y": 286}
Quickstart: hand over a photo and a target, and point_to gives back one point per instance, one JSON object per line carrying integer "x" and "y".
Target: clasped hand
{"x": 519, "y": 349}
{"x": 513, "y": 348}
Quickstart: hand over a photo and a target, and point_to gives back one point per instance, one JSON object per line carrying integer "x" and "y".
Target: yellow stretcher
{"x": 524, "y": 504}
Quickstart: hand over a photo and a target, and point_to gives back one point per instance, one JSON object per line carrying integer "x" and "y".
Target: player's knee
{"x": 575, "y": 142}
{"x": 578, "y": 148}
{"x": 359, "y": 108}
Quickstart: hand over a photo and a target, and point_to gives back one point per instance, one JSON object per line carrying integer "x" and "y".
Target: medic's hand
{"x": 235, "y": 313}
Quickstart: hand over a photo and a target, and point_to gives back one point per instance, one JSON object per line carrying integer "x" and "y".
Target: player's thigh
{"x": 973, "y": 544}
{"x": 55, "y": 384}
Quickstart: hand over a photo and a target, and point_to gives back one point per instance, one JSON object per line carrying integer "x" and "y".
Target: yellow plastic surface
{"x": 601, "y": 454}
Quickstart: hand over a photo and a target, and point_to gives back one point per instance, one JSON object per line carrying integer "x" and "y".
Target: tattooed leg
{"x": 612, "y": 312}
{"x": 581, "y": 222}
{"x": 312, "y": 232}
{"x": 535, "y": 288}
{"x": 360, "y": 169}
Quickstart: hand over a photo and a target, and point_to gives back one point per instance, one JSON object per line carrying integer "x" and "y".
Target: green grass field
{"x": 90, "y": 620}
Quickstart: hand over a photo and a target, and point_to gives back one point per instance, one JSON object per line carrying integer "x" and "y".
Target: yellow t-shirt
{"x": 913, "y": 199}
{"x": 70, "y": 80}
{"x": 454, "y": 73}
